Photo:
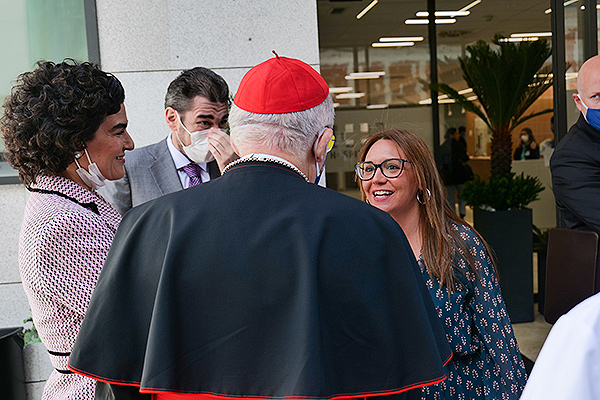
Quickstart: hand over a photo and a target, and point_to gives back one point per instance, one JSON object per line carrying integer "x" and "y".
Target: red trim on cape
{"x": 165, "y": 394}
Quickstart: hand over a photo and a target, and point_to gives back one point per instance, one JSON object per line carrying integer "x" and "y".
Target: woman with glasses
{"x": 398, "y": 175}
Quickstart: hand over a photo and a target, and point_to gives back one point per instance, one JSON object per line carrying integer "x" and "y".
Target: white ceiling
{"x": 338, "y": 26}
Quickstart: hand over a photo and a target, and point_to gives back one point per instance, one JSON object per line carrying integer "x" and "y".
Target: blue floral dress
{"x": 486, "y": 362}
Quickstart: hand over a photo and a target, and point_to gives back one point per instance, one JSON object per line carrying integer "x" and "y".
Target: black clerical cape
{"x": 261, "y": 285}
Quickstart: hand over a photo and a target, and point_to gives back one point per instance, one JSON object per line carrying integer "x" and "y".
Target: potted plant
{"x": 507, "y": 79}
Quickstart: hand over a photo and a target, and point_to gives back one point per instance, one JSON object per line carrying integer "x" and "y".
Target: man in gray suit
{"x": 196, "y": 111}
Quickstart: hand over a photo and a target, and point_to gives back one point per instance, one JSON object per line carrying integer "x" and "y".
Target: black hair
{"x": 52, "y": 112}
{"x": 195, "y": 82}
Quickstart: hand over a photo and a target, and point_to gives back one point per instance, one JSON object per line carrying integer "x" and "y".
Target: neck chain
{"x": 265, "y": 159}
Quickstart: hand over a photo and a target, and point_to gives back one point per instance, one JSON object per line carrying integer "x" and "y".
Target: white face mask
{"x": 92, "y": 176}
{"x": 198, "y": 150}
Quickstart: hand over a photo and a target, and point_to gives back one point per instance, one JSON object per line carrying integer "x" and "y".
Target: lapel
{"x": 163, "y": 169}
{"x": 213, "y": 170}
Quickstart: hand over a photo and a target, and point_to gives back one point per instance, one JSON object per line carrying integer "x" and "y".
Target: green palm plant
{"x": 506, "y": 80}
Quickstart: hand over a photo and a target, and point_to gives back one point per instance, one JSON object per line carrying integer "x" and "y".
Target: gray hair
{"x": 292, "y": 132}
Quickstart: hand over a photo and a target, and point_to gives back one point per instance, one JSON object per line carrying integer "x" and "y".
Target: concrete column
{"x": 147, "y": 43}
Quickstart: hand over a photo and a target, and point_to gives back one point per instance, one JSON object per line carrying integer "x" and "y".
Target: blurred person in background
{"x": 528, "y": 148}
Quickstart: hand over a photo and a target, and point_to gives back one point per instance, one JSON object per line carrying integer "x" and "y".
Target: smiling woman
{"x": 455, "y": 264}
{"x": 64, "y": 126}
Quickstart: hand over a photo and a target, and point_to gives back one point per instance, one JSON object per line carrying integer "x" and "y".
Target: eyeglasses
{"x": 390, "y": 168}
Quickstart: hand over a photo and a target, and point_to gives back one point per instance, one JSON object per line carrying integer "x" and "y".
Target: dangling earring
{"x": 420, "y": 194}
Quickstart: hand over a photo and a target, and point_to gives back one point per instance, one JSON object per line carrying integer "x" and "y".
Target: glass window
{"x": 39, "y": 30}
{"x": 391, "y": 41}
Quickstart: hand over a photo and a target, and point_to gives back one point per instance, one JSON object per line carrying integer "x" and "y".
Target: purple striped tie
{"x": 193, "y": 171}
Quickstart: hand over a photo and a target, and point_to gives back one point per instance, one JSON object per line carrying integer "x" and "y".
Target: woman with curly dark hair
{"x": 398, "y": 175}
{"x": 64, "y": 129}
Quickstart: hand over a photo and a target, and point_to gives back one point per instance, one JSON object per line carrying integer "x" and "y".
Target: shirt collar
{"x": 269, "y": 156}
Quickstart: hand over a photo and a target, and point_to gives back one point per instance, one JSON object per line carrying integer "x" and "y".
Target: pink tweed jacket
{"x": 65, "y": 237}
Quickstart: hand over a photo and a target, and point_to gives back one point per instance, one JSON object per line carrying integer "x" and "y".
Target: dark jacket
{"x": 575, "y": 167}
{"x": 259, "y": 284}
{"x": 454, "y": 168}
{"x": 525, "y": 152}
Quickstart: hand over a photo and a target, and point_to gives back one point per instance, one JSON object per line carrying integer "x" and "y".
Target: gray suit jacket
{"x": 149, "y": 173}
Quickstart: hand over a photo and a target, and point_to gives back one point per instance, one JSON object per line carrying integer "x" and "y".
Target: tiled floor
{"x": 531, "y": 335}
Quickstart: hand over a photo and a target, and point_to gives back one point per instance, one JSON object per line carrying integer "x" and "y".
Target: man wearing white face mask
{"x": 196, "y": 151}
{"x": 575, "y": 164}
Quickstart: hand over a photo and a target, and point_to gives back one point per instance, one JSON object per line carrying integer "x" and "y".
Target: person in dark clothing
{"x": 575, "y": 164}
{"x": 454, "y": 169}
{"x": 262, "y": 284}
{"x": 528, "y": 149}
{"x": 462, "y": 131}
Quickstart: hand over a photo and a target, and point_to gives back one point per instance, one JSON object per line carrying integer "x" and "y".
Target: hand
{"x": 220, "y": 147}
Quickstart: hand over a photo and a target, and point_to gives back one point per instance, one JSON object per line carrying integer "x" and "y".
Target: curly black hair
{"x": 52, "y": 112}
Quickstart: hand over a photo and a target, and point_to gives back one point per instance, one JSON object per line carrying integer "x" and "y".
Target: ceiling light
{"x": 468, "y": 6}
{"x": 426, "y": 21}
{"x": 377, "y": 106}
{"x": 425, "y": 102}
{"x": 393, "y": 44}
{"x": 340, "y": 89}
{"x": 366, "y": 10}
{"x": 568, "y": 3}
{"x": 472, "y": 98}
{"x": 365, "y": 75}
{"x": 402, "y": 39}
{"x": 538, "y": 34}
{"x": 350, "y": 96}
{"x": 425, "y": 14}
{"x": 336, "y": 105}
{"x": 465, "y": 91}
{"x": 519, "y": 39}
{"x": 446, "y": 101}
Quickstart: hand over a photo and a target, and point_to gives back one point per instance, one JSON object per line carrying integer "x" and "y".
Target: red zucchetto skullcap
{"x": 281, "y": 85}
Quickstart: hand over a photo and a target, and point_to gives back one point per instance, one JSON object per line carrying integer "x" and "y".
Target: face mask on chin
{"x": 198, "y": 150}
{"x": 92, "y": 176}
{"x": 592, "y": 115}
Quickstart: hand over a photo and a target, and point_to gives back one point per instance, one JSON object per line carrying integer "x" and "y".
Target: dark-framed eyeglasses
{"x": 390, "y": 168}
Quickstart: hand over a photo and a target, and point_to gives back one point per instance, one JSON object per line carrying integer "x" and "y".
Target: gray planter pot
{"x": 509, "y": 234}
{"x": 37, "y": 369}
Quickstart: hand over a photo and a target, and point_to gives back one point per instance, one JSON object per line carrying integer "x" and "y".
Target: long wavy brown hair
{"x": 441, "y": 242}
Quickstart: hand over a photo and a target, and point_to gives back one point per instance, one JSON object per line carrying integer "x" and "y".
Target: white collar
{"x": 266, "y": 158}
